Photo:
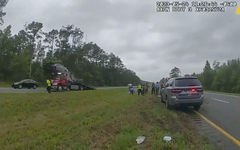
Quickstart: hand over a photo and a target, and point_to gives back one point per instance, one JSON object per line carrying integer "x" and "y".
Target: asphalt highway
{"x": 223, "y": 110}
{"x": 39, "y": 90}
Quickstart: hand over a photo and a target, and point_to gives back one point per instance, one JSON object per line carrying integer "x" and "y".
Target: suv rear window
{"x": 187, "y": 82}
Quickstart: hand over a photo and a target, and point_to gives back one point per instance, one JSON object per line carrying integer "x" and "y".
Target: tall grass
{"x": 99, "y": 119}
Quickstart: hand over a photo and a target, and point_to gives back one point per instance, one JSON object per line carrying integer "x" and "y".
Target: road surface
{"x": 224, "y": 111}
{"x": 38, "y": 90}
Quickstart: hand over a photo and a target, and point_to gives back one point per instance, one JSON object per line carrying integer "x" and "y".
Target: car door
{"x": 164, "y": 90}
{"x": 30, "y": 83}
{"x": 26, "y": 83}
{"x": 22, "y": 83}
{"x": 168, "y": 88}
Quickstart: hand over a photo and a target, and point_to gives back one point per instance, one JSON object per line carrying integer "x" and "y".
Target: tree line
{"x": 221, "y": 77}
{"x": 27, "y": 54}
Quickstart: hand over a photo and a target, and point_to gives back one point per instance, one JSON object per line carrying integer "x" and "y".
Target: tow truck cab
{"x": 60, "y": 82}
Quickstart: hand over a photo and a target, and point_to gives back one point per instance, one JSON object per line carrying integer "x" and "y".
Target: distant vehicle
{"x": 182, "y": 91}
{"x": 62, "y": 79}
{"x": 26, "y": 83}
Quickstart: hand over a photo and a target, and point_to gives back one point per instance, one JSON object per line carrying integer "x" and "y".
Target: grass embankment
{"x": 100, "y": 119}
{"x": 5, "y": 84}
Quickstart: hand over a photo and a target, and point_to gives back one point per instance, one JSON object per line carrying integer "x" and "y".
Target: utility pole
{"x": 30, "y": 66}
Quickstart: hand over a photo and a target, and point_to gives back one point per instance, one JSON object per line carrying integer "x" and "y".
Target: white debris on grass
{"x": 167, "y": 138}
{"x": 140, "y": 139}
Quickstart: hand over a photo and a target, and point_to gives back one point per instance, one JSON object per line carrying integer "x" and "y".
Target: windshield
{"x": 187, "y": 82}
{"x": 24, "y": 80}
{"x": 57, "y": 76}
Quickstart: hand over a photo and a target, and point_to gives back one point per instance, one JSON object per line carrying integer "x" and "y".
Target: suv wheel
{"x": 34, "y": 86}
{"x": 197, "y": 107}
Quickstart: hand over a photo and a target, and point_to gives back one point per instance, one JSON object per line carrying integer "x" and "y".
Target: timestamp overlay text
{"x": 194, "y": 6}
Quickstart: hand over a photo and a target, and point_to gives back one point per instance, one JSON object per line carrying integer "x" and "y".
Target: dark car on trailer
{"x": 26, "y": 83}
{"x": 183, "y": 91}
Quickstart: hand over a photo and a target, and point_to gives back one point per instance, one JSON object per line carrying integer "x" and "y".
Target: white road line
{"x": 219, "y": 100}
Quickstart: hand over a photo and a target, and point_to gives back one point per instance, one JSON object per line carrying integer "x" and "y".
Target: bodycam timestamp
{"x": 194, "y": 6}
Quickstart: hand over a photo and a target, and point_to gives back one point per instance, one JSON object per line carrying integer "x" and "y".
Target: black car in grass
{"x": 26, "y": 83}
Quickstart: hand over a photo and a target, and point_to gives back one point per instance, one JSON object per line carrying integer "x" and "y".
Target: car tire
{"x": 197, "y": 107}
{"x": 59, "y": 88}
{"x": 34, "y": 86}
{"x": 20, "y": 86}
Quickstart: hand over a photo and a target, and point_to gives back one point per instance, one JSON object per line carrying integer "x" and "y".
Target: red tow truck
{"x": 63, "y": 80}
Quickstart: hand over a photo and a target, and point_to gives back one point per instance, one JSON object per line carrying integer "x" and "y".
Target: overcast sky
{"x": 148, "y": 42}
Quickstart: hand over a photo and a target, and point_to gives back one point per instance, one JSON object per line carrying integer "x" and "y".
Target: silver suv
{"x": 182, "y": 91}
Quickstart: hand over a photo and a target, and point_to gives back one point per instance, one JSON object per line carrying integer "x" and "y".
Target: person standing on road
{"x": 48, "y": 86}
{"x": 139, "y": 89}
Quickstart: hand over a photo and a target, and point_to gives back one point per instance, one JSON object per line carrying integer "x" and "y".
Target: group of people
{"x": 156, "y": 88}
{"x": 142, "y": 89}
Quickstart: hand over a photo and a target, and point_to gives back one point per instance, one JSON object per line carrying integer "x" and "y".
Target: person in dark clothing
{"x": 143, "y": 89}
{"x": 157, "y": 88}
{"x": 153, "y": 89}
{"x": 146, "y": 88}
{"x": 131, "y": 90}
{"x": 139, "y": 89}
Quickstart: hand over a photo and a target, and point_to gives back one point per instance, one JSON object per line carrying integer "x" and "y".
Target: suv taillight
{"x": 176, "y": 91}
{"x": 193, "y": 90}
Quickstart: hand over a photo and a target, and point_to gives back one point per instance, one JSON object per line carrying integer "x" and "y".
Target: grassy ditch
{"x": 5, "y": 84}
{"x": 93, "y": 120}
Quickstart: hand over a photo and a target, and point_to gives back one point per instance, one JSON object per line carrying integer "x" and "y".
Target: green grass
{"x": 92, "y": 120}
{"x": 5, "y": 84}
